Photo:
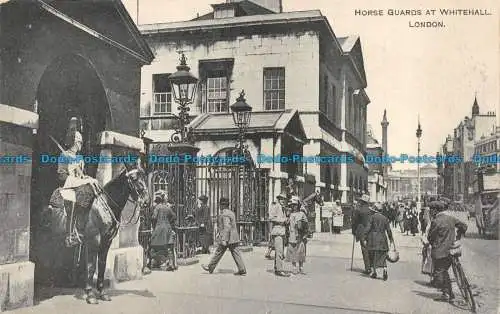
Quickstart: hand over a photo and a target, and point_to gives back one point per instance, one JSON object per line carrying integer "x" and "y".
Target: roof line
{"x": 90, "y": 31}
{"x": 133, "y": 29}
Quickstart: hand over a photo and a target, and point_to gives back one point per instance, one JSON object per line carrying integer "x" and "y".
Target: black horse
{"x": 99, "y": 222}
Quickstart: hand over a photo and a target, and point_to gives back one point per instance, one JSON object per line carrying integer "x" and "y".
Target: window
{"x": 324, "y": 103}
{"x": 333, "y": 104}
{"x": 215, "y": 92}
{"x": 274, "y": 88}
{"x": 162, "y": 94}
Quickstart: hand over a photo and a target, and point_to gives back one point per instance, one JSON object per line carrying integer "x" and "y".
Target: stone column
{"x": 125, "y": 257}
{"x": 313, "y": 148}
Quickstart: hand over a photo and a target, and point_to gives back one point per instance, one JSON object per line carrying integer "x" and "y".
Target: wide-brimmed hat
{"x": 337, "y": 201}
{"x": 203, "y": 198}
{"x": 281, "y": 196}
{"x": 364, "y": 198}
{"x": 159, "y": 196}
{"x": 294, "y": 200}
{"x": 377, "y": 206}
{"x": 224, "y": 201}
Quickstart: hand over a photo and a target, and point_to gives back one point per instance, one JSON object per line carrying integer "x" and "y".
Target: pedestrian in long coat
{"x": 401, "y": 218}
{"x": 228, "y": 239}
{"x": 298, "y": 226}
{"x": 377, "y": 231}
{"x": 163, "y": 238}
{"x": 360, "y": 219}
{"x": 413, "y": 221}
{"x": 204, "y": 219}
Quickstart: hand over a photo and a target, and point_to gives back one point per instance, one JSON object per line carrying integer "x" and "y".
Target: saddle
{"x": 65, "y": 219}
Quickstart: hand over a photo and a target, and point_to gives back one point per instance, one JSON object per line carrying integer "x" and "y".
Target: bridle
{"x": 140, "y": 195}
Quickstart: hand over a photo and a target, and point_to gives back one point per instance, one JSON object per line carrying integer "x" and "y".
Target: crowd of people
{"x": 371, "y": 227}
{"x": 440, "y": 232}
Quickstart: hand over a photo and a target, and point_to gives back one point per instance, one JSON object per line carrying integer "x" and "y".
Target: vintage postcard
{"x": 249, "y": 156}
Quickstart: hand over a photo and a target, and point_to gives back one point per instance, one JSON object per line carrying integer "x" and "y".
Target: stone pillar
{"x": 16, "y": 270}
{"x": 313, "y": 148}
{"x": 125, "y": 257}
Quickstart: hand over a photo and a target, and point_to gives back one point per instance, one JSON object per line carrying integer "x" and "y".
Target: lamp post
{"x": 182, "y": 189}
{"x": 184, "y": 85}
{"x": 419, "y": 135}
{"x": 242, "y": 113}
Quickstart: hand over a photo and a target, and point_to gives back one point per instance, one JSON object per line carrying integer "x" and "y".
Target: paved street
{"x": 328, "y": 287}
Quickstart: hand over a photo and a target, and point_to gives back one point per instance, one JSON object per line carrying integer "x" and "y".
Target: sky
{"x": 433, "y": 73}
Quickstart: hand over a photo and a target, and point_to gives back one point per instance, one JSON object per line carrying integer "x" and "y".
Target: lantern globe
{"x": 183, "y": 83}
{"x": 242, "y": 112}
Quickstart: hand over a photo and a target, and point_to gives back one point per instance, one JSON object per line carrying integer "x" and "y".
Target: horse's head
{"x": 136, "y": 179}
{"x": 319, "y": 199}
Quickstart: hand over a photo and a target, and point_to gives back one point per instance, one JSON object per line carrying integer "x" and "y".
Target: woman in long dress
{"x": 163, "y": 236}
{"x": 298, "y": 229}
{"x": 377, "y": 231}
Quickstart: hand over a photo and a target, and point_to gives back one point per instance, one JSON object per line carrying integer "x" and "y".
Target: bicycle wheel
{"x": 458, "y": 278}
{"x": 463, "y": 284}
{"x": 467, "y": 290}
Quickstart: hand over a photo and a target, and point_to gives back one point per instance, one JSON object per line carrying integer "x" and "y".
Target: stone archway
{"x": 70, "y": 86}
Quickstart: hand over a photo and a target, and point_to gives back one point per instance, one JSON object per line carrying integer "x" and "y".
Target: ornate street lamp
{"x": 184, "y": 85}
{"x": 242, "y": 112}
{"x": 419, "y": 135}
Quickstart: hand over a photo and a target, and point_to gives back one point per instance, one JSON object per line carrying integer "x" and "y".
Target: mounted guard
{"x": 72, "y": 177}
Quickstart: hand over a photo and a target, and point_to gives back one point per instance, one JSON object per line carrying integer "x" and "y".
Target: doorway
{"x": 69, "y": 87}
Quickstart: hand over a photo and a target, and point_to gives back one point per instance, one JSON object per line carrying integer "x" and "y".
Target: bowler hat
{"x": 203, "y": 198}
{"x": 224, "y": 201}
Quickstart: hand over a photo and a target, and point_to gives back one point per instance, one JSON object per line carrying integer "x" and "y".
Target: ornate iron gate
{"x": 247, "y": 190}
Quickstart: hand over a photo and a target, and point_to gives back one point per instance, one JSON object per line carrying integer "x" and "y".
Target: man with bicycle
{"x": 442, "y": 239}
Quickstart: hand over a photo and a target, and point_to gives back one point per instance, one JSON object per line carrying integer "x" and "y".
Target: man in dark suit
{"x": 442, "y": 238}
{"x": 360, "y": 219}
{"x": 229, "y": 239}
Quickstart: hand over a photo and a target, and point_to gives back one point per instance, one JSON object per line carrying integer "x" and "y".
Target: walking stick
{"x": 352, "y": 253}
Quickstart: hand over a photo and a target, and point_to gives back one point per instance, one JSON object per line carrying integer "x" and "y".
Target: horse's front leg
{"x": 103, "y": 254}
{"x": 91, "y": 250}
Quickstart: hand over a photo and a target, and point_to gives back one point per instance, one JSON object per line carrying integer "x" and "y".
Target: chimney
{"x": 274, "y": 5}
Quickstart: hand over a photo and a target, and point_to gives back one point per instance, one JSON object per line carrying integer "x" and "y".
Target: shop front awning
{"x": 211, "y": 126}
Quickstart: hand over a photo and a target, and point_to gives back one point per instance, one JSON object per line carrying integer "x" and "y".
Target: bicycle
{"x": 461, "y": 279}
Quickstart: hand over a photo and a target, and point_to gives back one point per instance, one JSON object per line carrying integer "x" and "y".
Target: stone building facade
{"x": 285, "y": 61}
{"x": 469, "y": 131}
{"x": 57, "y": 60}
{"x": 402, "y": 184}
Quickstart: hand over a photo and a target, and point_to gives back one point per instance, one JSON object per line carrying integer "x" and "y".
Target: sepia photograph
{"x": 249, "y": 156}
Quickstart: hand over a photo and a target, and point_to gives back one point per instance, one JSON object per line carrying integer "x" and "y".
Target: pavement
{"x": 329, "y": 285}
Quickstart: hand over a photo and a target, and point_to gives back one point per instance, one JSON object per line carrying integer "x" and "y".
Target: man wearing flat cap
{"x": 229, "y": 239}
{"x": 204, "y": 219}
{"x": 442, "y": 238}
{"x": 360, "y": 217}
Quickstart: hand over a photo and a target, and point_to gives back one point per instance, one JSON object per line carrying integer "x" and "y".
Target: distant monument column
{"x": 384, "y": 124}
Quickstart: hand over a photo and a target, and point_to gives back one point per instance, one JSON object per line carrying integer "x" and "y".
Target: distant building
{"x": 460, "y": 176}
{"x": 305, "y": 84}
{"x": 487, "y": 150}
{"x": 403, "y": 184}
{"x": 377, "y": 179}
